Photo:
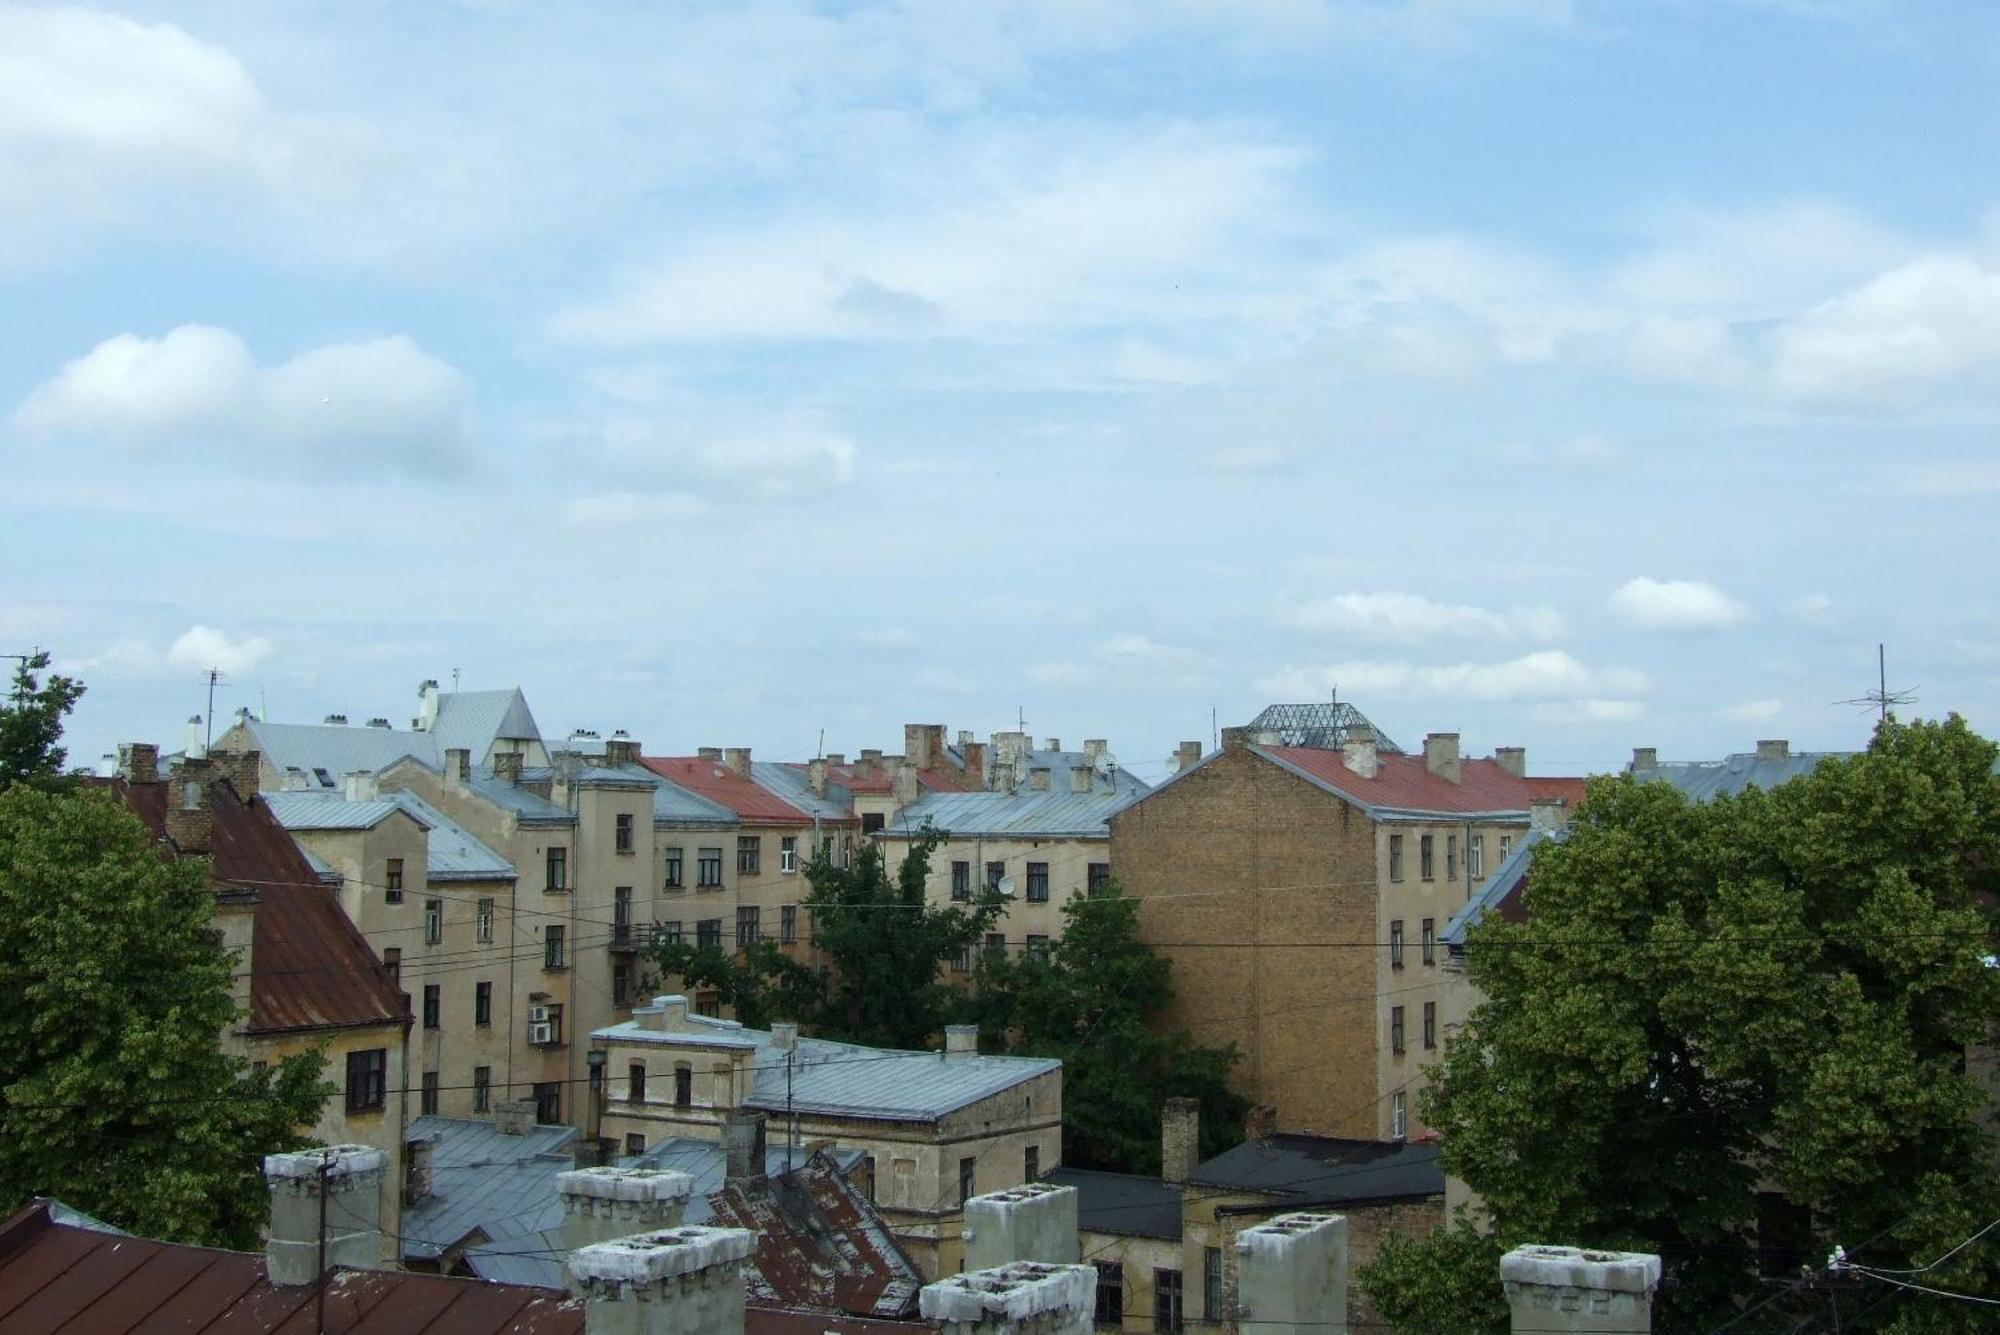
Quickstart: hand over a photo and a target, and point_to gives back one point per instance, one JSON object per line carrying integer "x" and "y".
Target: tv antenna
{"x": 1881, "y": 699}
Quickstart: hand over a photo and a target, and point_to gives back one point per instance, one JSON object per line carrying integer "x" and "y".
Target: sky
{"x": 1572, "y": 374}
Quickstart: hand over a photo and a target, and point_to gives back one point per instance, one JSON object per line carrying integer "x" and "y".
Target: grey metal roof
{"x": 474, "y": 720}
{"x": 1023, "y": 814}
{"x": 794, "y": 785}
{"x": 1122, "y": 1204}
{"x": 1325, "y": 1170}
{"x": 485, "y": 1181}
{"x": 320, "y": 809}
{"x": 674, "y": 805}
{"x": 1505, "y": 880}
{"x": 1705, "y": 779}
{"x": 451, "y": 851}
{"x": 846, "y": 1079}
{"x": 527, "y": 804}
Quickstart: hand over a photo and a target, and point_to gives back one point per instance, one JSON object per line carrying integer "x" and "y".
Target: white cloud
{"x": 1676, "y": 605}
{"x": 198, "y": 387}
{"x": 1812, "y": 609}
{"x": 1545, "y": 675}
{"x": 628, "y": 509}
{"x": 1753, "y": 711}
{"x": 1408, "y": 618}
{"x": 202, "y": 647}
{"x": 1886, "y": 342}
{"x": 786, "y": 459}
{"x": 1589, "y": 711}
{"x": 1125, "y": 659}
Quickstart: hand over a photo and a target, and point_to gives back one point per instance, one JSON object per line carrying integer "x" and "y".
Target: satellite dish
{"x": 1006, "y": 886}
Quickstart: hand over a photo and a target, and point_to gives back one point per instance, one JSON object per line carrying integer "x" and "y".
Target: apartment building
{"x": 1300, "y": 891}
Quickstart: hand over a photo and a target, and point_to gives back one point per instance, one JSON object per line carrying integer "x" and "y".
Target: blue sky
{"x": 1570, "y": 374}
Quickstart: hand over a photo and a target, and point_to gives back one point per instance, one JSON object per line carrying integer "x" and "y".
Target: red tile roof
{"x": 310, "y": 967}
{"x": 1403, "y": 783}
{"x": 753, "y": 803}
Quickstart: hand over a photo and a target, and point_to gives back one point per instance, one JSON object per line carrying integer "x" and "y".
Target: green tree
{"x": 114, "y": 1094}
{"x": 31, "y": 724}
{"x": 759, "y": 984}
{"x": 1095, "y": 1000}
{"x": 1770, "y": 991}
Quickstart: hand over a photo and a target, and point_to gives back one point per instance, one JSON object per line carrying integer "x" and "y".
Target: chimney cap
{"x": 335, "y": 721}
{"x": 648, "y": 1258}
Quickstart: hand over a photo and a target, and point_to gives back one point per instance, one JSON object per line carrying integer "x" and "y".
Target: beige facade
{"x": 1044, "y": 874}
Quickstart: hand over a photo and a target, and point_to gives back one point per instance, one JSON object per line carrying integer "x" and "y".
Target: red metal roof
{"x": 753, "y": 803}
{"x": 945, "y": 779}
{"x": 820, "y": 1244}
{"x": 310, "y": 967}
{"x": 1403, "y": 783}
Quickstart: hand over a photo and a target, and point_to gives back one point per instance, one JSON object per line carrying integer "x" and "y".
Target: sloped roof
{"x": 310, "y": 967}
{"x": 488, "y": 1182}
{"x": 452, "y": 852}
{"x": 794, "y": 785}
{"x": 753, "y": 803}
{"x": 1501, "y": 892}
{"x": 1403, "y": 785}
{"x": 472, "y": 720}
{"x": 1702, "y": 780}
{"x": 1325, "y": 1169}
{"x": 821, "y": 1244}
{"x": 1022, "y": 814}
{"x": 1122, "y": 1204}
{"x": 529, "y": 806}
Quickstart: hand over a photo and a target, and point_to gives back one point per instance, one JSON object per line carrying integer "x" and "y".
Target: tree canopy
{"x": 1715, "y": 1005}
{"x": 115, "y": 1095}
{"x": 31, "y": 723}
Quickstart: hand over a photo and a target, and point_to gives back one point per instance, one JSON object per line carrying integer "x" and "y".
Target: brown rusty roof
{"x": 310, "y": 967}
{"x": 56, "y": 1279}
{"x": 820, "y": 1244}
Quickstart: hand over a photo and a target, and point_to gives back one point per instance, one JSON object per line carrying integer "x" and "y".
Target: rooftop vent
{"x": 336, "y": 720}
{"x": 378, "y": 723}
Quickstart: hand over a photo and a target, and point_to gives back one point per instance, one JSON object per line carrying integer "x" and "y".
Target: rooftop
{"x": 470, "y": 720}
{"x": 1325, "y": 1170}
{"x": 452, "y": 853}
{"x": 752, "y": 803}
{"x": 1767, "y": 767}
{"x": 1023, "y": 814}
{"x": 1122, "y": 1204}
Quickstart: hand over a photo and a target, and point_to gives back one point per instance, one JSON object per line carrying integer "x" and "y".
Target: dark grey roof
{"x": 485, "y": 1181}
{"x": 1326, "y": 1170}
{"x": 1123, "y": 1204}
{"x": 1705, "y": 779}
{"x": 1505, "y": 880}
{"x": 527, "y": 804}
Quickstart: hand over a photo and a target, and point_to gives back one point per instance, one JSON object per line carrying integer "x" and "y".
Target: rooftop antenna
{"x": 208, "y": 719}
{"x": 1881, "y": 699}
{"x": 23, "y": 660}
{"x": 454, "y": 681}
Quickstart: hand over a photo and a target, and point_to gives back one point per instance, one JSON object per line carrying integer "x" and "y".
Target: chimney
{"x": 923, "y": 744}
{"x": 736, "y": 759}
{"x": 334, "y": 721}
{"x": 600, "y": 1204}
{"x": 197, "y": 744}
{"x": 678, "y": 1281}
{"x": 1291, "y": 1273}
{"x": 139, "y": 762}
{"x": 1235, "y": 739}
{"x": 1441, "y": 755}
{"x": 1038, "y": 778}
{"x": 1360, "y": 758}
{"x": 378, "y": 723}
{"x": 1180, "y": 1139}
{"x": 667, "y": 1015}
{"x": 1082, "y": 778}
{"x": 1559, "y": 1289}
{"x": 836, "y": 758}
{"x": 457, "y": 765}
{"x": 621, "y": 750}
{"x": 427, "y": 706}
{"x": 1033, "y": 1222}
{"x": 906, "y": 786}
{"x": 962, "y": 1040}
{"x": 1774, "y": 749}
{"x": 1186, "y": 756}
{"x": 816, "y": 777}
{"x": 514, "y": 1117}
{"x": 507, "y": 766}
{"x": 709, "y": 753}
{"x": 1513, "y": 759}
{"x": 743, "y": 1141}
{"x": 419, "y": 1172}
{"x": 1546, "y": 814}
{"x": 1055, "y": 744}
{"x": 1094, "y": 749}
{"x": 243, "y": 769}
{"x": 975, "y": 762}
{"x": 1261, "y": 1122}
{"x": 1024, "y": 1298}
{"x": 1645, "y": 759}
{"x": 351, "y": 1176}
{"x": 190, "y": 818}
{"x": 785, "y": 1035}
{"x": 360, "y": 786}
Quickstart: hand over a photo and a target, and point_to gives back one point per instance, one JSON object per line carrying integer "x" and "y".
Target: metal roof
{"x": 821, "y": 1244}
{"x": 1022, "y": 814}
{"x": 846, "y": 1079}
{"x": 1702, "y": 780}
{"x": 793, "y": 784}
{"x": 1329, "y": 725}
{"x": 674, "y": 805}
{"x": 1325, "y": 1169}
{"x": 753, "y": 803}
{"x": 526, "y": 804}
{"x": 452, "y": 853}
{"x": 322, "y": 809}
{"x": 473, "y": 720}
{"x": 488, "y": 1182}
{"x": 1500, "y": 890}
{"x": 1122, "y": 1204}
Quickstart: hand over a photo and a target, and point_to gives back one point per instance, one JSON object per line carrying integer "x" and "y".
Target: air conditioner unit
{"x": 538, "y": 1015}
{"x": 541, "y": 1032}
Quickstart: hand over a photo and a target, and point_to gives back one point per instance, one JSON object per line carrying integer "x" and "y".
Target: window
{"x": 433, "y": 1003}
{"x": 552, "y": 947}
{"x": 1506, "y": 846}
{"x": 708, "y": 1002}
{"x": 367, "y": 1080}
{"x": 996, "y": 872}
{"x": 558, "y": 863}
{"x": 749, "y": 854}
{"x": 621, "y": 915}
{"x": 1396, "y": 1029}
{"x": 1451, "y": 857}
{"x": 1110, "y": 1294}
{"x": 871, "y": 821}
{"x": 1475, "y": 857}
{"x": 708, "y": 868}
{"x": 1430, "y": 940}
{"x": 961, "y": 881}
{"x": 671, "y": 931}
{"x": 1038, "y": 948}
{"x": 548, "y": 1102}
{"x": 1395, "y": 857}
{"x": 392, "y": 882}
{"x": 1031, "y": 1162}
{"x": 634, "y": 1143}
{"x": 635, "y": 1083}
{"x": 903, "y": 1181}
{"x": 1167, "y": 1302}
{"x": 996, "y": 943}
{"x": 788, "y": 854}
{"x": 433, "y": 921}
{"x": 967, "y": 1173}
{"x": 621, "y": 834}
{"x": 1097, "y": 879}
{"x": 482, "y": 1004}
{"x": 747, "y": 930}
{"x": 392, "y": 960}
{"x": 673, "y": 881}
{"x": 482, "y": 921}
{"x": 1038, "y": 882}
{"x": 962, "y": 961}
{"x": 1399, "y": 1116}
{"x": 788, "y": 925}
{"x": 1430, "y": 1024}
{"x": 1396, "y": 944}
{"x": 427, "y": 1096}
{"x": 1426, "y": 861}
{"x": 868, "y": 1160}
{"x": 1211, "y": 1284}
{"x": 621, "y": 984}
{"x": 683, "y": 1085}
{"x": 708, "y": 934}
{"x": 482, "y": 1089}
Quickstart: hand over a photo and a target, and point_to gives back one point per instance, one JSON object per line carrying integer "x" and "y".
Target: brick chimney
{"x": 1235, "y": 739}
{"x": 243, "y": 769}
{"x": 1774, "y": 749}
{"x": 139, "y": 762}
{"x": 1441, "y": 755}
{"x": 507, "y": 766}
{"x": 514, "y": 1117}
{"x": 743, "y": 1139}
{"x": 1513, "y": 759}
{"x": 1032, "y": 1222}
{"x": 923, "y": 744}
{"x": 1645, "y": 759}
{"x": 457, "y": 765}
{"x": 1547, "y": 814}
{"x": 1186, "y": 756}
{"x": 1055, "y": 744}
{"x": 1261, "y": 1122}
{"x": 1568, "y": 1289}
{"x": 352, "y": 1179}
{"x": 620, "y": 750}
{"x": 736, "y": 759}
{"x": 709, "y": 753}
{"x": 1038, "y": 778}
{"x": 1291, "y": 1274}
{"x": 190, "y": 813}
{"x": 975, "y": 761}
{"x": 1180, "y": 1139}
{"x": 677, "y": 1281}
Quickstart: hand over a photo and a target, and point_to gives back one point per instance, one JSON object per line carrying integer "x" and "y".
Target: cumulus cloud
{"x": 197, "y": 387}
{"x": 1125, "y": 659}
{"x": 203, "y": 647}
{"x": 1753, "y": 711}
{"x": 1545, "y": 675}
{"x": 1891, "y": 339}
{"x": 1676, "y": 605}
{"x": 1408, "y": 618}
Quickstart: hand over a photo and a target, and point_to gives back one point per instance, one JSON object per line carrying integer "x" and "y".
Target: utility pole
{"x": 208, "y": 719}
{"x": 319, "y": 1297}
{"x": 791, "y": 1112}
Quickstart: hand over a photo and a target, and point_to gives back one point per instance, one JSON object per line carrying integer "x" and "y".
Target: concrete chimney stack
{"x": 360, "y": 786}
{"x": 905, "y": 785}
{"x": 514, "y": 1117}
{"x": 1291, "y": 1274}
{"x": 736, "y": 759}
{"x": 1235, "y": 739}
{"x": 1441, "y": 755}
{"x": 1645, "y": 759}
{"x": 1025, "y": 1298}
{"x": 1055, "y": 744}
{"x": 1094, "y": 749}
{"x": 713, "y": 753}
{"x": 1082, "y": 778}
{"x": 1774, "y": 749}
{"x": 677, "y": 1281}
{"x": 816, "y": 777}
{"x": 620, "y": 750}
{"x": 1552, "y": 1290}
{"x": 351, "y": 1178}
{"x": 1186, "y": 756}
{"x": 1038, "y": 778}
{"x": 427, "y": 706}
{"x": 457, "y": 765}
{"x": 743, "y": 1139}
{"x": 1032, "y": 1222}
{"x": 1513, "y": 759}
{"x": 1546, "y": 814}
{"x": 600, "y": 1204}
{"x": 961, "y": 1040}
{"x": 507, "y": 766}
{"x": 923, "y": 744}
{"x": 1180, "y": 1139}
{"x": 1360, "y": 758}
{"x": 197, "y": 743}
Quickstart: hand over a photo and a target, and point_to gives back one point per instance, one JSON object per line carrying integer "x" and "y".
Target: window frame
{"x": 1451, "y": 857}
{"x": 1427, "y": 857}
{"x": 555, "y": 864}
{"x": 996, "y": 872}
{"x": 1429, "y": 943}
{"x": 788, "y": 924}
{"x": 1430, "y": 1026}
{"x": 482, "y": 921}
{"x": 1475, "y": 857}
{"x": 392, "y": 881}
{"x": 621, "y": 832}
{"x": 427, "y": 1094}
{"x": 1096, "y": 879}
{"x": 555, "y": 947}
{"x": 367, "y": 1080}
{"x": 1036, "y": 947}
{"x": 961, "y": 882}
{"x": 482, "y": 1004}
{"x": 788, "y": 855}
{"x": 434, "y": 922}
{"x": 548, "y": 1098}
{"x": 1398, "y": 1039}
{"x": 1169, "y": 1312}
{"x": 1396, "y": 944}
{"x": 635, "y": 1082}
{"x": 482, "y": 1089}
{"x": 392, "y": 960}
{"x": 968, "y": 1177}
{"x": 749, "y": 855}
{"x": 1211, "y": 1284}
{"x": 707, "y": 860}
{"x": 683, "y": 1085}
{"x": 708, "y": 934}
{"x": 1110, "y": 1296}
{"x": 749, "y": 926}
{"x": 673, "y": 871}
{"x": 1038, "y": 883}
{"x": 1396, "y": 858}
{"x": 1399, "y": 1116}
{"x": 433, "y": 1005}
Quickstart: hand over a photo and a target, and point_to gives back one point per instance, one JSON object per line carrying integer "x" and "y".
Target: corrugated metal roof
{"x": 1022, "y": 814}
{"x": 821, "y": 1244}
{"x": 793, "y": 784}
{"x": 753, "y": 803}
{"x": 1122, "y": 1204}
{"x": 527, "y": 804}
{"x": 845, "y": 1079}
{"x": 473, "y": 720}
{"x": 486, "y": 1181}
{"x": 1706, "y": 779}
{"x": 674, "y": 805}
{"x": 320, "y": 809}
